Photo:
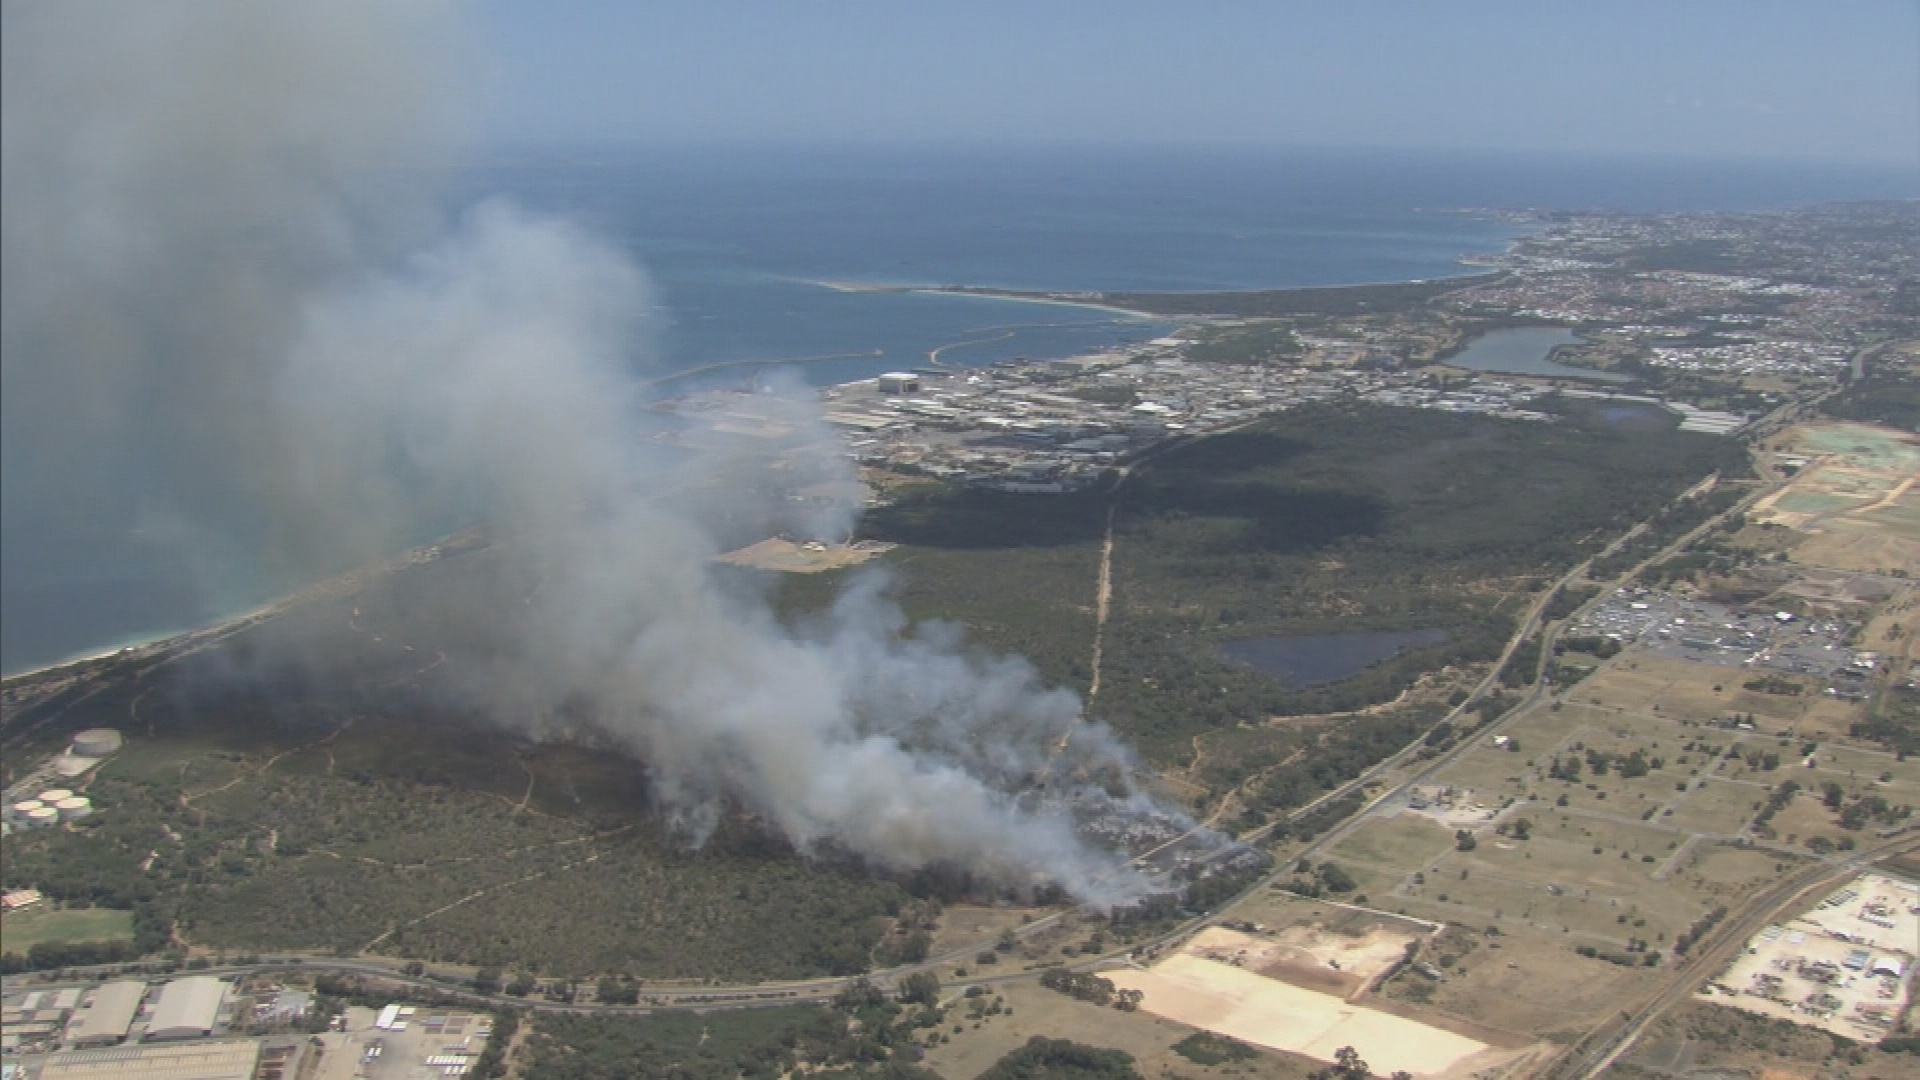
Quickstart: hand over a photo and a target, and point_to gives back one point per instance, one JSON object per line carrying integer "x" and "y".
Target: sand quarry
{"x": 1203, "y": 986}
{"x": 790, "y": 557}
{"x": 1309, "y": 955}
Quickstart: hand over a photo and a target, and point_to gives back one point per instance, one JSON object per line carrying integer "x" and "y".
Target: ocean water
{"x": 751, "y": 252}
{"x": 745, "y": 244}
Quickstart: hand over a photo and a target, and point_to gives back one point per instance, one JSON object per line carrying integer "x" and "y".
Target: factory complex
{"x": 200, "y": 1027}
{"x": 116, "y": 1013}
{"x": 1047, "y": 427}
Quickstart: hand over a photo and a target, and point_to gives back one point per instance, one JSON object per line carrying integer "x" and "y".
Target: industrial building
{"x": 899, "y": 382}
{"x": 105, "y": 1020}
{"x": 224, "y": 1060}
{"x": 96, "y": 742}
{"x": 187, "y": 1009}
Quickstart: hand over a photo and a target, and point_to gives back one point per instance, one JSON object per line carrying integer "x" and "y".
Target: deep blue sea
{"x": 740, "y": 242}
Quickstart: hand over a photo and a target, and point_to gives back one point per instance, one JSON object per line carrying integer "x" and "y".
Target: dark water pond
{"x": 1635, "y": 417}
{"x": 1304, "y": 661}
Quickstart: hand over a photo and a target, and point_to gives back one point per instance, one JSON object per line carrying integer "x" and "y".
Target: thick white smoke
{"x": 352, "y": 392}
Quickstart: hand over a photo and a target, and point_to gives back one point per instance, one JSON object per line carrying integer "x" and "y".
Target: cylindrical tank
{"x": 78, "y": 806}
{"x": 54, "y": 795}
{"x": 96, "y": 742}
{"x": 44, "y": 815}
{"x": 24, "y": 807}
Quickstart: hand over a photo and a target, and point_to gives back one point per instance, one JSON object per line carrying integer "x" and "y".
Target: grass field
{"x": 1404, "y": 840}
{"x": 975, "y": 1044}
{"x": 23, "y": 930}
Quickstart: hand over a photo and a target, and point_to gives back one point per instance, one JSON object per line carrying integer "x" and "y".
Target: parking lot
{"x": 404, "y": 1043}
{"x": 1684, "y": 629}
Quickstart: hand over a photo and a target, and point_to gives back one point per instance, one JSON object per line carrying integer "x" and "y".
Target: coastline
{"x": 1472, "y": 273}
{"x": 167, "y": 646}
{"x": 159, "y": 645}
{"x": 164, "y": 642}
{"x": 104, "y": 652}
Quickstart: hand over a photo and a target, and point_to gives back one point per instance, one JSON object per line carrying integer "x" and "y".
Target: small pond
{"x": 1303, "y": 661}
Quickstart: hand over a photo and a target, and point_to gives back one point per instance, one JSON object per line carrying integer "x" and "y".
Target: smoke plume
{"x": 234, "y": 322}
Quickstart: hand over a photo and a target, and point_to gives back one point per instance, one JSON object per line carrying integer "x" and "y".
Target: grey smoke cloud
{"x": 211, "y": 281}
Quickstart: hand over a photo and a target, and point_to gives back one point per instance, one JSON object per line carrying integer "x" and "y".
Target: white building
{"x": 105, "y": 1020}
{"x": 187, "y": 1009}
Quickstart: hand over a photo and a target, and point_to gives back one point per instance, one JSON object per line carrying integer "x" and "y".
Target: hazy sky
{"x": 1837, "y": 80}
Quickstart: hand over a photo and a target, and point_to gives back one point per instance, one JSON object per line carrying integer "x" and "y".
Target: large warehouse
{"x": 237, "y": 1060}
{"x": 187, "y": 1009}
{"x": 104, "y": 1020}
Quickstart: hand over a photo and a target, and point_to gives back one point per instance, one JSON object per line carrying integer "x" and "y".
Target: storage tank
{"x": 54, "y": 795}
{"x": 42, "y": 815}
{"x": 96, "y": 742}
{"x": 21, "y": 809}
{"x": 78, "y": 806}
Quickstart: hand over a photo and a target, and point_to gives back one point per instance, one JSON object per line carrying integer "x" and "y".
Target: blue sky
{"x": 1828, "y": 81}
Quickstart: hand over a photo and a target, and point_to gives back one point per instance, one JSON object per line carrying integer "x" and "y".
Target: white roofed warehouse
{"x": 187, "y": 1009}
{"x": 104, "y": 1020}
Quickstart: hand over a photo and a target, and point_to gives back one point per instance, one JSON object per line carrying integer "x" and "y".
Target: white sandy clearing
{"x": 1362, "y": 957}
{"x": 1228, "y": 1001}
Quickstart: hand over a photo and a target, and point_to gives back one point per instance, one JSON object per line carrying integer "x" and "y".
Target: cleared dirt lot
{"x": 1267, "y": 1012}
{"x": 1310, "y": 955}
{"x": 789, "y": 557}
{"x": 1844, "y": 966}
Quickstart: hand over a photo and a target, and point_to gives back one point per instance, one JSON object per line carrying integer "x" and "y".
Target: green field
{"x": 23, "y": 930}
{"x": 1864, "y": 447}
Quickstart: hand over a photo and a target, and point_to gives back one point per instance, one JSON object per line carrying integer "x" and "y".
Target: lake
{"x": 1303, "y": 661}
{"x": 1525, "y": 351}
